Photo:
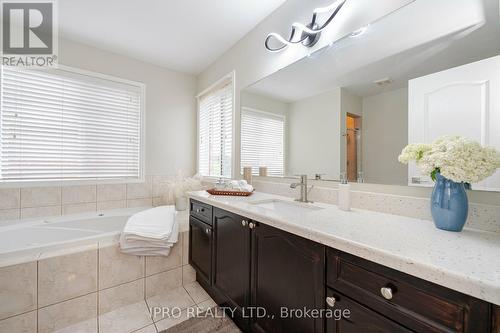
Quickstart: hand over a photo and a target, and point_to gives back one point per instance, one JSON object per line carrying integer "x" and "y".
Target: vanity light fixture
{"x": 310, "y": 33}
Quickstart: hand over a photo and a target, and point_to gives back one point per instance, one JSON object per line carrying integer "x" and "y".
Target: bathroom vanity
{"x": 249, "y": 257}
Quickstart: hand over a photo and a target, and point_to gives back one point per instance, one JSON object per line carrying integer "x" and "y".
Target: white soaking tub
{"x": 27, "y": 240}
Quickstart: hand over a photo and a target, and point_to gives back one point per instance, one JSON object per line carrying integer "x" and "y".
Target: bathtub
{"x": 24, "y": 241}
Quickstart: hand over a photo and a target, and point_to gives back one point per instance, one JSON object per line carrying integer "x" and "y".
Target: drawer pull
{"x": 251, "y": 225}
{"x": 199, "y": 210}
{"x": 331, "y": 301}
{"x": 208, "y": 231}
{"x": 244, "y": 223}
{"x": 386, "y": 292}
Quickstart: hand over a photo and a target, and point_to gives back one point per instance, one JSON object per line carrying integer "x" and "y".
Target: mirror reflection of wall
{"x": 349, "y": 109}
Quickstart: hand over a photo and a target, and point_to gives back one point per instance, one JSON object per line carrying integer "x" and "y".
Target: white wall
{"x": 384, "y": 135}
{"x": 314, "y": 140}
{"x": 263, "y": 103}
{"x": 170, "y": 105}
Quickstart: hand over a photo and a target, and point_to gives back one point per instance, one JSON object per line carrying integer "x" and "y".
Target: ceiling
{"x": 184, "y": 35}
{"x": 387, "y": 50}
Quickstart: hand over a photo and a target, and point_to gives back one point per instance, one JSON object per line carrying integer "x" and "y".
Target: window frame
{"x": 231, "y": 78}
{"x": 285, "y": 137}
{"x": 142, "y": 146}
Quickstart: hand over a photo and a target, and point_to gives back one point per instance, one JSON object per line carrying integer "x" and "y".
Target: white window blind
{"x": 262, "y": 141}
{"x": 66, "y": 125}
{"x": 215, "y": 121}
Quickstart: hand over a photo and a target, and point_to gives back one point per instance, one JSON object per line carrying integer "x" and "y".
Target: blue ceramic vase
{"x": 449, "y": 204}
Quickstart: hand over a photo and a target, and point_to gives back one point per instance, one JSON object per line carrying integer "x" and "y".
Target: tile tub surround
{"x": 466, "y": 262}
{"x": 97, "y": 289}
{"x": 33, "y": 202}
{"x": 485, "y": 217}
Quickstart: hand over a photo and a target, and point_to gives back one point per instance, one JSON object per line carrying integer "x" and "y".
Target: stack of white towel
{"x": 151, "y": 232}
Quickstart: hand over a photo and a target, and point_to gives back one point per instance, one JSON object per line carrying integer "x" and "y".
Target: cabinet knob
{"x": 244, "y": 223}
{"x": 207, "y": 231}
{"x": 386, "y": 292}
{"x": 331, "y": 301}
{"x": 251, "y": 225}
{"x": 199, "y": 210}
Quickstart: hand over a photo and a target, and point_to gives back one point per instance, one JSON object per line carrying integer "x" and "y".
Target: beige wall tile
{"x": 112, "y": 192}
{"x": 106, "y": 205}
{"x": 79, "y": 208}
{"x": 78, "y": 194}
{"x": 163, "y": 282}
{"x": 40, "y": 196}
{"x": 159, "y": 201}
{"x": 76, "y": 315}
{"x": 10, "y": 198}
{"x": 40, "y": 212}
{"x": 116, "y": 268}
{"x": 161, "y": 264}
{"x": 25, "y": 323}
{"x": 18, "y": 289}
{"x": 139, "y": 202}
{"x": 140, "y": 190}
{"x": 10, "y": 214}
{"x": 188, "y": 274}
{"x": 68, "y": 276}
{"x": 125, "y": 294}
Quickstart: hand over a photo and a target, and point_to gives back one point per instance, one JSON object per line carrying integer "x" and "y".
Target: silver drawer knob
{"x": 244, "y": 223}
{"x": 386, "y": 292}
{"x": 331, "y": 301}
{"x": 251, "y": 225}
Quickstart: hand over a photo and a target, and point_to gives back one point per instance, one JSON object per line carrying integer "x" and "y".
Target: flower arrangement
{"x": 457, "y": 158}
{"x": 174, "y": 190}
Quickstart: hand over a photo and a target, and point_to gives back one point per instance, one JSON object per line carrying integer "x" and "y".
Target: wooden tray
{"x": 214, "y": 191}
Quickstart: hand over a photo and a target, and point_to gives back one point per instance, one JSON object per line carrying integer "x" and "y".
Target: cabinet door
{"x": 232, "y": 261}
{"x": 358, "y": 318}
{"x": 287, "y": 273}
{"x": 200, "y": 248}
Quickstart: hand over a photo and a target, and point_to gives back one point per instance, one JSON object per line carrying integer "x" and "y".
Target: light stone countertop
{"x": 468, "y": 261}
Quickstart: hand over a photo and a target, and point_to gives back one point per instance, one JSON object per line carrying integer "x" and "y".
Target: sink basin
{"x": 286, "y": 207}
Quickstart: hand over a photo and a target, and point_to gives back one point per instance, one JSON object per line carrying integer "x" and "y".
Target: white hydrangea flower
{"x": 457, "y": 158}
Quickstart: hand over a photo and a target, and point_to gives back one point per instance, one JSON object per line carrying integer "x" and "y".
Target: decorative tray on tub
{"x": 214, "y": 191}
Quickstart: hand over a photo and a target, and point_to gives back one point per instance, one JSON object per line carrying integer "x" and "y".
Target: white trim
{"x": 142, "y": 171}
{"x": 231, "y": 77}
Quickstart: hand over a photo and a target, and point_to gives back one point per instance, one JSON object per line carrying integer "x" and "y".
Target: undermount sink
{"x": 286, "y": 207}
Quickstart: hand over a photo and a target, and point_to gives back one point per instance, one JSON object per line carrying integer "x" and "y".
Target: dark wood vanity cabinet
{"x": 418, "y": 305}
{"x": 252, "y": 265}
{"x": 232, "y": 262}
{"x": 287, "y": 273}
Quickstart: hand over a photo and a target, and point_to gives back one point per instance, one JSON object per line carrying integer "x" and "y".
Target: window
{"x": 215, "y": 131}
{"x": 65, "y": 124}
{"x": 262, "y": 141}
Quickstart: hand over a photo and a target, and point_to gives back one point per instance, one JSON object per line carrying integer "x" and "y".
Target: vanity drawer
{"x": 201, "y": 210}
{"x": 419, "y": 305}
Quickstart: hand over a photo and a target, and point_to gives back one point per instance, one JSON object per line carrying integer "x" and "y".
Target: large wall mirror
{"x": 351, "y": 108}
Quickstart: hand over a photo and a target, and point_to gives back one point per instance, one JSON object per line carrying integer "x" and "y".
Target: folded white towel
{"x": 151, "y": 232}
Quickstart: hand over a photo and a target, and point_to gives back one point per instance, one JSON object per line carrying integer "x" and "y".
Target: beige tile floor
{"x": 180, "y": 299}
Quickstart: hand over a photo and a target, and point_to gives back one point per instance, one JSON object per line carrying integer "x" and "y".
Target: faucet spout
{"x": 303, "y": 188}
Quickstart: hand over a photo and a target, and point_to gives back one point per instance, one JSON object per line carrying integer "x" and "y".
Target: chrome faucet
{"x": 304, "y": 191}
